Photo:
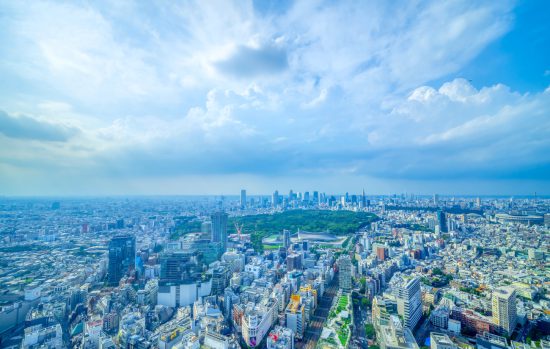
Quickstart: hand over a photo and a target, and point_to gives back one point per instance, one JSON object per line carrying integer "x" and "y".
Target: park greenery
{"x": 335, "y": 222}
{"x": 263, "y": 225}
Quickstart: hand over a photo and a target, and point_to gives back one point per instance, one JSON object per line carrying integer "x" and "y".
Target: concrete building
{"x": 504, "y": 309}
{"x": 256, "y": 321}
{"x": 295, "y": 316}
{"x": 122, "y": 256}
{"x": 280, "y": 338}
{"x": 219, "y": 229}
{"x": 395, "y": 336}
{"x": 441, "y": 341}
{"x": 409, "y": 299}
{"x": 344, "y": 270}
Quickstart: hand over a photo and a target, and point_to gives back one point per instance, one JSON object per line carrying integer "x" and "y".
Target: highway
{"x": 315, "y": 327}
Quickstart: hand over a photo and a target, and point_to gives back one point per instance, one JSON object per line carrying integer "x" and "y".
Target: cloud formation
{"x": 315, "y": 89}
{"x": 249, "y": 61}
{"x": 24, "y": 127}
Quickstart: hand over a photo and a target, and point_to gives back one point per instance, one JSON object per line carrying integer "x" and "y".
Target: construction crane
{"x": 238, "y": 228}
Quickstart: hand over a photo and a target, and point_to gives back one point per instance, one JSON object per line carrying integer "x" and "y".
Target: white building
{"x": 504, "y": 309}
{"x": 280, "y": 338}
{"x": 257, "y": 319}
{"x": 441, "y": 341}
{"x": 182, "y": 295}
{"x": 409, "y": 299}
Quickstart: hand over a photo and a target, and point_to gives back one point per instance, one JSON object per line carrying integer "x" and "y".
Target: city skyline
{"x": 209, "y": 98}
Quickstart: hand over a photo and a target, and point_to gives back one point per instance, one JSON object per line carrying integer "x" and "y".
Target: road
{"x": 315, "y": 327}
{"x": 361, "y": 316}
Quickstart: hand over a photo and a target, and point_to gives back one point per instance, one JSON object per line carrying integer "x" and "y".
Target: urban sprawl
{"x": 286, "y": 271}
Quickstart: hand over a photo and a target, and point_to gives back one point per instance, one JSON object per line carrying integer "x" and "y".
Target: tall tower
{"x": 275, "y": 198}
{"x": 409, "y": 301}
{"x": 122, "y": 257}
{"x": 286, "y": 239}
{"x": 344, "y": 272}
{"x": 363, "y": 199}
{"x": 504, "y": 309}
{"x": 219, "y": 229}
{"x": 243, "y": 198}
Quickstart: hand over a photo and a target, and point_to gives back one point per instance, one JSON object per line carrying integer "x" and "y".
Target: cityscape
{"x": 399, "y": 271}
{"x": 275, "y": 174}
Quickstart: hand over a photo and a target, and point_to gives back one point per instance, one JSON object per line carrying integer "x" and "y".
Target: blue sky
{"x": 210, "y": 97}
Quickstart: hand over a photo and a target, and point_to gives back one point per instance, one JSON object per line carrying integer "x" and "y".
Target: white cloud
{"x": 193, "y": 82}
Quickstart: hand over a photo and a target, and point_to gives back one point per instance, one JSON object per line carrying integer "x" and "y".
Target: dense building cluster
{"x": 167, "y": 273}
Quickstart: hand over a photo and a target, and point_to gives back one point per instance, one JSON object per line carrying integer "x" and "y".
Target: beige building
{"x": 504, "y": 309}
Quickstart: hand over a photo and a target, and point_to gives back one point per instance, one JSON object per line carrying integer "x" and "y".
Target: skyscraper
{"x": 219, "y": 229}
{"x": 441, "y": 220}
{"x": 363, "y": 199}
{"x": 504, "y": 309}
{"x": 275, "y": 198}
{"x": 243, "y": 198}
{"x": 436, "y": 199}
{"x": 344, "y": 272}
{"x": 286, "y": 239}
{"x": 179, "y": 267}
{"x": 409, "y": 300}
{"x": 122, "y": 256}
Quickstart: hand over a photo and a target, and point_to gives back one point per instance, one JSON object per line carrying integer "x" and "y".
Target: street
{"x": 315, "y": 327}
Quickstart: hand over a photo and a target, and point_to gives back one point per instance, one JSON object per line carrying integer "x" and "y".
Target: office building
{"x": 122, "y": 256}
{"x": 363, "y": 202}
{"x": 441, "y": 221}
{"x": 344, "y": 273}
{"x": 219, "y": 229}
{"x": 504, "y": 309}
{"x": 280, "y": 338}
{"x": 295, "y": 316}
{"x": 256, "y": 321}
{"x": 275, "y": 198}
{"x": 294, "y": 262}
{"x": 243, "y": 198}
{"x": 409, "y": 299}
{"x": 441, "y": 341}
{"x": 392, "y": 335}
{"x": 180, "y": 281}
{"x": 286, "y": 239}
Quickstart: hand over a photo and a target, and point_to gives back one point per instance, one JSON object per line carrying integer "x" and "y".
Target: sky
{"x": 208, "y": 97}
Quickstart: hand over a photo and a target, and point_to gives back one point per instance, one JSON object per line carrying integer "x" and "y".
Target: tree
{"x": 369, "y": 331}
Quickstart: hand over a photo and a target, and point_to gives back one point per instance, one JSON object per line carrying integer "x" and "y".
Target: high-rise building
{"x": 409, "y": 299}
{"x": 206, "y": 229}
{"x": 181, "y": 282}
{"x": 179, "y": 267}
{"x": 436, "y": 199}
{"x": 504, "y": 309}
{"x": 286, "y": 239}
{"x": 243, "y": 198}
{"x": 219, "y": 229}
{"x": 306, "y": 197}
{"x": 441, "y": 220}
{"x": 275, "y": 198}
{"x": 344, "y": 272}
{"x": 363, "y": 199}
{"x": 122, "y": 256}
{"x": 316, "y": 197}
{"x": 294, "y": 261}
